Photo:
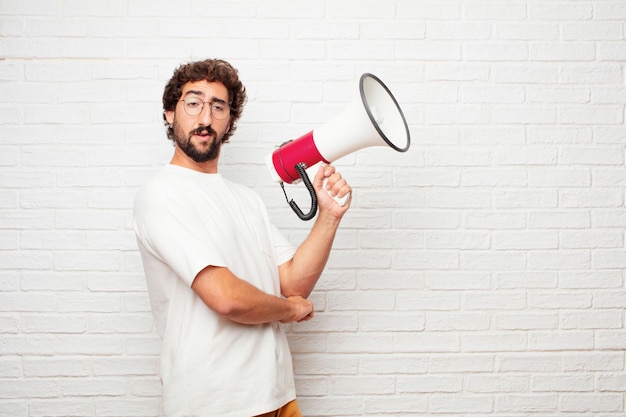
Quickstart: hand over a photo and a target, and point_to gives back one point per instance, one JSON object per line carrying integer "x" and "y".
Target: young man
{"x": 221, "y": 278}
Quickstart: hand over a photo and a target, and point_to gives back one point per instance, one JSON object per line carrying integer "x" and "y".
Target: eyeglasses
{"x": 193, "y": 106}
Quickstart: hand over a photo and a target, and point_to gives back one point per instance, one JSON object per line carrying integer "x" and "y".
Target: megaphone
{"x": 373, "y": 119}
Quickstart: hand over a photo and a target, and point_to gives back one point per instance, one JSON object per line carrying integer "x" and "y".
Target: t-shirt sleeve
{"x": 164, "y": 228}
{"x": 283, "y": 249}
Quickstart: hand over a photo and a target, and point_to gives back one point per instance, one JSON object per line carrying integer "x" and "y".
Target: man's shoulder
{"x": 158, "y": 187}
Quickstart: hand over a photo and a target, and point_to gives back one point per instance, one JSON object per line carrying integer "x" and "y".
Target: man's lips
{"x": 203, "y": 133}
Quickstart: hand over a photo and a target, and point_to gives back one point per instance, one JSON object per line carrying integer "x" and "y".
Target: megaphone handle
{"x": 301, "y": 168}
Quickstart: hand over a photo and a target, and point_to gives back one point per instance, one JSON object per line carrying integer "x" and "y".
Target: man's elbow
{"x": 295, "y": 289}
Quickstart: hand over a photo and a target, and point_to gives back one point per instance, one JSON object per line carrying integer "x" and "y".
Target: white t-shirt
{"x": 210, "y": 366}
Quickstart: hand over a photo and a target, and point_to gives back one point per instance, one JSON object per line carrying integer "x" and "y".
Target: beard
{"x": 202, "y": 153}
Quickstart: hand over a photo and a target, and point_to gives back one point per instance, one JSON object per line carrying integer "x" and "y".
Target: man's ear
{"x": 169, "y": 116}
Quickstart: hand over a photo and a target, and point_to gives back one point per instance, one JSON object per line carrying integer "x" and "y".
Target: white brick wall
{"x": 481, "y": 273}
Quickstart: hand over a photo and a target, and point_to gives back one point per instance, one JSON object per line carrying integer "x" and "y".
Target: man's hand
{"x": 335, "y": 186}
{"x": 303, "y": 310}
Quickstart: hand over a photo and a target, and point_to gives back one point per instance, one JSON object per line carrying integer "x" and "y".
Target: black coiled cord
{"x": 301, "y": 167}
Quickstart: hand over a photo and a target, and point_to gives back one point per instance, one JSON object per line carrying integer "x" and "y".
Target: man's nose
{"x": 205, "y": 115}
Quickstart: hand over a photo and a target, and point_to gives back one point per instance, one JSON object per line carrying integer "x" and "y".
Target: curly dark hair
{"x": 210, "y": 70}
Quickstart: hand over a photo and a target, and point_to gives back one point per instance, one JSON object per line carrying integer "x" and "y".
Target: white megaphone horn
{"x": 373, "y": 119}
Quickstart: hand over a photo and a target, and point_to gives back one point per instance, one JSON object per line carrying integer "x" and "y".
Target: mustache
{"x": 202, "y": 129}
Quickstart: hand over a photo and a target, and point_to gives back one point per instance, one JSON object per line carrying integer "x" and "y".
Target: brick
{"x": 493, "y": 260}
{"x": 427, "y": 301}
{"x": 609, "y": 299}
{"x": 570, "y": 340}
{"x": 559, "y": 95}
{"x": 430, "y": 10}
{"x": 324, "y": 364}
{"x": 534, "y": 31}
{"x": 580, "y": 239}
{"x": 14, "y": 407}
{"x": 536, "y": 403}
{"x": 448, "y": 30}
{"x": 464, "y": 114}
{"x": 525, "y": 115}
{"x": 612, "y": 382}
{"x": 609, "y": 259}
{"x": 589, "y": 31}
{"x": 560, "y": 10}
{"x": 53, "y": 324}
{"x": 495, "y": 177}
{"x": 9, "y": 324}
{"x": 498, "y": 383}
{"x": 363, "y": 385}
{"x": 559, "y": 134}
{"x": 395, "y": 403}
{"x": 527, "y": 321}
{"x": 427, "y": 219}
{"x": 600, "y": 319}
{"x": 449, "y": 321}
{"x": 526, "y": 279}
{"x": 559, "y": 219}
{"x": 493, "y": 94}
{"x": 409, "y": 239}
{"x": 425, "y": 50}
{"x": 445, "y": 199}
{"x": 434, "y": 342}
{"x": 135, "y": 324}
{"x": 500, "y": 301}
{"x": 462, "y": 363}
{"x": 604, "y": 115}
{"x": 360, "y": 301}
{"x": 112, "y": 366}
{"x": 559, "y": 300}
{"x": 518, "y": 240}
{"x": 529, "y": 362}
{"x": 596, "y": 279}
{"x": 533, "y": 198}
{"x": 592, "y": 403}
{"x": 333, "y": 406}
{"x": 429, "y": 384}
{"x": 594, "y": 361}
{"x": 494, "y": 220}
{"x": 55, "y": 367}
{"x": 111, "y": 407}
{"x": 562, "y": 383}
{"x": 613, "y": 51}
{"x": 562, "y": 51}
{"x": 493, "y": 136}
{"x": 27, "y": 302}
{"x": 442, "y": 71}
{"x": 487, "y": 10}
{"x": 372, "y": 280}
{"x": 433, "y": 260}
{"x": 61, "y": 407}
{"x": 457, "y": 281}
{"x": 330, "y": 322}
{"x": 459, "y": 404}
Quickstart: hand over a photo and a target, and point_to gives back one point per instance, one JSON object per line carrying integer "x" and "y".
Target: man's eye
{"x": 194, "y": 103}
